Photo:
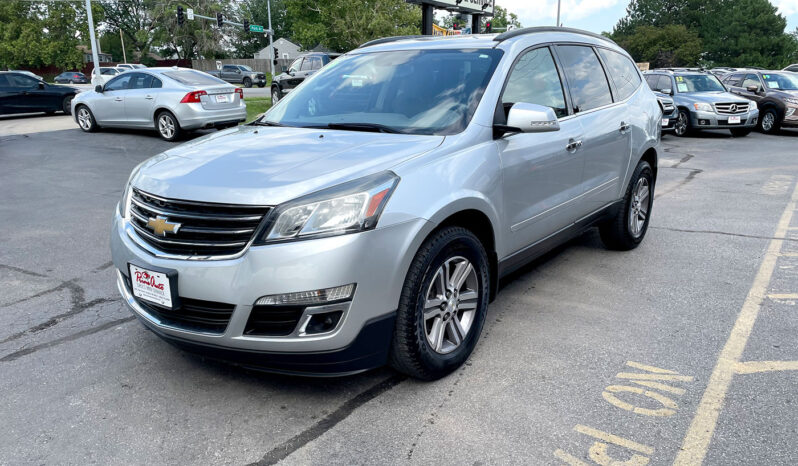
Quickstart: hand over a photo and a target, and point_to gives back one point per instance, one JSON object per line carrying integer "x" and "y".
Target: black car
{"x": 71, "y": 77}
{"x": 301, "y": 68}
{"x": 20, "y": 93}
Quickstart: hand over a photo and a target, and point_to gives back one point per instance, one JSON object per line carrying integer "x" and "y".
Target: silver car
{"x": 169, "y": 100}
{"x": 368, "y": 216}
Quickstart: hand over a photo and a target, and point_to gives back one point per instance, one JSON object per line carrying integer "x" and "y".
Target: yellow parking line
{"x": 753, "y": 367}
{"x": 610, "y": 438}
{"x": 568, "y": 458}
{"x": 789, "y": 254}
{"x": 783, "y": 296}
{"x": 699, "y": 434}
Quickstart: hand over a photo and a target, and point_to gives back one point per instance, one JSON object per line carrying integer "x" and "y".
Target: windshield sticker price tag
{"x": 679, "y": 79}
{"x": 682, "y": 87}
{"x": 357, "y": 83}
{"x": 766, "y": 76}
{"x": 773, "y": 84}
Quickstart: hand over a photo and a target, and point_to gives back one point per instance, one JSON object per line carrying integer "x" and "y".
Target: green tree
{"x": 42, "y": 33}
{"x": 501, "y": 19}
{"x": 247, "y": 44}
{"x": 667, "y": 46}
{"x": 345, "y": 24}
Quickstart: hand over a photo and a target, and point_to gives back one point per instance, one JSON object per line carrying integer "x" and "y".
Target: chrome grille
{"x": 206, "y": 229}
{"x": 731, "y": 108}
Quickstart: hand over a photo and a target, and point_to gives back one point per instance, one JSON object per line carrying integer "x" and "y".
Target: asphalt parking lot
{"x": 680, "y": 351}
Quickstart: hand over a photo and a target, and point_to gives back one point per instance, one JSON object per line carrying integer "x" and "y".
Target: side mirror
{"x": 291, "y": 72}
{"x": 752, "y": 88}
{"x": 41, "y": 85}
{"x": 532, "y": 118}
{"x": 238, "y": 71}
{"x": 667, "y": 91}
{"x": 98, "y": 89}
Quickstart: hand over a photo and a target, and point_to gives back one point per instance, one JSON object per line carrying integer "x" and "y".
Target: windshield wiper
{"x": 266, "y": 123}
{"x": 374, "y": 127}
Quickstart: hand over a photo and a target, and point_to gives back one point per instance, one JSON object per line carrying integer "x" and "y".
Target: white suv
{"x": 367, "y": 217}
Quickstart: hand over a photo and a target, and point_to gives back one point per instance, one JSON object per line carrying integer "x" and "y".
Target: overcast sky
{"x": 600, "y": 15}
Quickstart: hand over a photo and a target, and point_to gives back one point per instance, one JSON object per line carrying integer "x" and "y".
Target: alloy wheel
{"x": 638, "y": 210}
{"x": 681, "y": 124}
{"x": 768, "y": 121}
{"x": 450, "y": 304}
{"x": 84, "y": 118}
{"x": 275, "y": 97}
{"x": 166, "y": 126}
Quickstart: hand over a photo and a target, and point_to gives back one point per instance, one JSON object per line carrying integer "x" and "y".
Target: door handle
{"x": 149, "y": 97}
{"x": 573, "y": 145}
{"x": 624, "y": 127}
{"x": 118, "y": 99}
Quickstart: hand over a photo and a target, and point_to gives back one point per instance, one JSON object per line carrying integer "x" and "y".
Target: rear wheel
{"x": 682, "y": 126}
{"x": 247, "y": 82}
{"x": 262, "y": 85}
{"x": 86, "y": 119}
{"x": 443, "y": 305}
{"x": 167, "y": 126}
{"x": 740, "y": 132}
{"x": 627, "y": 230}
{"x": 769, "y": 121}
{"x": 71, "y": 82}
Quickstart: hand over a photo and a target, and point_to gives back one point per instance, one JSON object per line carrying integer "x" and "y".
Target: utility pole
{"x": 124, "y": 56}
{"x": 271, "y": 36}
{"x": 558, "y": 14}
{"x": 94, "y": 44}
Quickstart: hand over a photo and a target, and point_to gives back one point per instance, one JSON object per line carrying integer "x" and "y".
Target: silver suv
{"x": 368, "y": 217}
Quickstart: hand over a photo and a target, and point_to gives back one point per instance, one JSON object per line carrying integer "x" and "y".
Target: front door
{"x": 541, "y": 171}
{"x": 140, "y": 99}
{"x": 109, "y": 108}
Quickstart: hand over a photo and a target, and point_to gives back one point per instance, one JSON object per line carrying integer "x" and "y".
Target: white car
{"x": 106, "y": 74}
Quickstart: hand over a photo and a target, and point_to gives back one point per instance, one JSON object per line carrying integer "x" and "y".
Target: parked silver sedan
{"x": 169, "y": 100}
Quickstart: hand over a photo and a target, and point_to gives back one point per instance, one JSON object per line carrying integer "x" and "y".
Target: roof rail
{"x": 532, "y": 30}
{"x": 385, "y": 40}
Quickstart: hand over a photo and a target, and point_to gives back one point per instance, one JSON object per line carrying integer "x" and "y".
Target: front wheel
{"x": 740, "y": 132}
{"x": 628, "y": 228}
{"x": 247, "y": 83}
{"x": 443, "y": 305}
{"x": 682, "y": 126}
{"x": 86, "y": 119}
{"x": 66, "y": 105}
{"x": 769, "y": 122}
{"x": 261, "y": 85}
{"x": 276, "y": 95}
{"x": 168, "y": 126}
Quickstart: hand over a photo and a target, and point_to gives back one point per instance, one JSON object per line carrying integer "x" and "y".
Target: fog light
{"x": 324, "y": 296}
{"x": 703, "y": 122}
{"x": 322, "y": 323}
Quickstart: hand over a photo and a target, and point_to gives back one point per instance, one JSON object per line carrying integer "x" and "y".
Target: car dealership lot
{"x": 557, "y": 369}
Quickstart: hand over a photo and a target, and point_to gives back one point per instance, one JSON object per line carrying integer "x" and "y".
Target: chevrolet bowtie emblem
{"x": 162, "y": 225}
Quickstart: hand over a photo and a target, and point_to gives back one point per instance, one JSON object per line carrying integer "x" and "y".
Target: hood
{"x": 712, "y": 97}
{"x": 270, "y": 165}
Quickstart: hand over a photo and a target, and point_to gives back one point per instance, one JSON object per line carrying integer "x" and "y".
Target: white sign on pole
{"x": 190, "y": 13}
{"x": 218, "y": 64}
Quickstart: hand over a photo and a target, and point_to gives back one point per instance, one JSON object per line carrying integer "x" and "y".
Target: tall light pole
{"x": 94, "y": 54}
{"x": 271, "y": 36}
{"x": 124, "y": 55}
{"x": 558, "y": 14}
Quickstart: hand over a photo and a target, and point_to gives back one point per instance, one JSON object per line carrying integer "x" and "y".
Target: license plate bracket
{"x": 665, "y": 122}
{"x": 221, "y": 99}
{"x": 154, "y": 285}
{"x": 734, "y": 120}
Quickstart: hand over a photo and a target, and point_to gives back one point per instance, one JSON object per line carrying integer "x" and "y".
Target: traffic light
{"x": 488, "y": 27}
{"x": 455, "y": 26}
{"x": 246, "y": 25}
{"x": 180, "y": 19}
{"x": 219, "y": 19}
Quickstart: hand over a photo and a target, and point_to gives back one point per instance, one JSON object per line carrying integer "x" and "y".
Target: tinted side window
{"x": 651, "y": 80}
{"x": 120, "y": 83}
{"x": 586, "y": 78}
{"x": 315, "y": 63}
{"x": 733, "y": 80}
{"x": 138, "y": 81}
{"x": 230, "y": 68}
{"x": 751, "y": 80}
{"x": 23, "y": 82}
{"x": 664, "y": 82}
{"x": 534, "y": 80}
{"x": 155, "y": 83}
{"x": 306, "y": 65}
{"x": 295, "y": 65}
{"x": 622, "y": 71}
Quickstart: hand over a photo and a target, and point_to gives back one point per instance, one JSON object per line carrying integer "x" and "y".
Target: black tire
{"x": 617, "y": 233}
{"x": 276, "y": 95}
{"x": 682, "y": 126}
{"x": 86, "y": 119}
{"x": 71, "y": 82}
{"x": 167, "y": 126}
{"x": 411, "y": 351}
{"x": 247, "y": 83}
{"x": 261, "y": 85}
{"x": 66, "y": 105}
{"x": 769, "y": 121}
{"x": 740, "y": 132}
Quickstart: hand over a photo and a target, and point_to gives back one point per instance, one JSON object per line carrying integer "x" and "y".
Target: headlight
{"x": 123, "y": 203}
{"x": 791, "y": 101}
{"x": 753, "y": 106}
{"x": 703, "y": 107}
{"x": 347, "y": 208}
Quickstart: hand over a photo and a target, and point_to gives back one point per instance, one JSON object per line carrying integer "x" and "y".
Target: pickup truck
{"x": 240, "y": 74}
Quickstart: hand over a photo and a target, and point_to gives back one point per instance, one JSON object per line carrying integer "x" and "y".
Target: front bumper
{"x": 194, "y": 116}
{"x": 375, "y": 260}
{"x": 790, "y": 118}
{"x": 712, "y": 120}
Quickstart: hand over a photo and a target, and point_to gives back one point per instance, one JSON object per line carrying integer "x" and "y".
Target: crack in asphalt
{"x": 725, "y": 233}
{"x": 315, "y": 431}
{"x": 26, "y": 272}
{"x": 683, "y": 160}
{"x": 690, "y": 177}
{"x": 58, "y": 341}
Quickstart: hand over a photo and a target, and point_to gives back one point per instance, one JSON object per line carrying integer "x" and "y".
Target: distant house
{"x": 87, "y": 58}
{"x": 285, "y": 49}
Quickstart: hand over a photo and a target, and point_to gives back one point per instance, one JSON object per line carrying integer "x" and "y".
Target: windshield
{"x": 410, "y": 91}
{"x": 781, "y": 81}
{"x": 698, "y": 83}
{"x": 245, "y": 67}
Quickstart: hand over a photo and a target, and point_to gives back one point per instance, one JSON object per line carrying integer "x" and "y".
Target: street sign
{"x": 190, "y": 13}
{"x": 255, "y": 28}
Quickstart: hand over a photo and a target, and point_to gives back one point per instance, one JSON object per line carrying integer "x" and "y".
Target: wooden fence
{"x": 257, "y": 64}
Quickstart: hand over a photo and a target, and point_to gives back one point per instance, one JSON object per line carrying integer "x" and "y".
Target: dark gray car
{"x": 300, "y": 69}
{"x": 775, "y": 92}
{"x": 240, "y": 74}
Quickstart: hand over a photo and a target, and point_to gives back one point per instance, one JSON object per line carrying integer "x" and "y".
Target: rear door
{"x": 541, "y": 175}
{"x": 109, "y": 107}
{"x": 140, "y": 99}
{"x": 605, "y": 125}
